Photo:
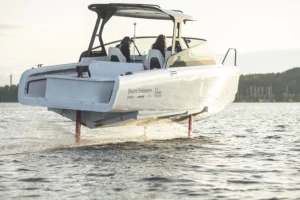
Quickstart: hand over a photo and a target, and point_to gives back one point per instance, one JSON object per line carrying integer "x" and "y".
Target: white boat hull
{"x": 146, "y": 96}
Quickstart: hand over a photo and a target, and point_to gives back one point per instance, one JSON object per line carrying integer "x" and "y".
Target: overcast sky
{"x": 57, "y": 31}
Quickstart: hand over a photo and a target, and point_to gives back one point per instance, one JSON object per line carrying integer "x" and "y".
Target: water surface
{"x": 248, "y": 151}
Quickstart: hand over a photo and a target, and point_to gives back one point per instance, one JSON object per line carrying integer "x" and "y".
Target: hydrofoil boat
{"x": 102, "y": 89}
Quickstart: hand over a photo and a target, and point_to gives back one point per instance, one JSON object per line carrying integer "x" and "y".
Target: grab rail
{"x": 235, "y": 52}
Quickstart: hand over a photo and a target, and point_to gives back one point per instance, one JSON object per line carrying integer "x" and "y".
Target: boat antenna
{"x": 134, "y": 24}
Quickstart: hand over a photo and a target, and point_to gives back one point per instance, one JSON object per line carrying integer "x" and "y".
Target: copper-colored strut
{"x": 190, "y": 126}
{"x": 78, "y": 119}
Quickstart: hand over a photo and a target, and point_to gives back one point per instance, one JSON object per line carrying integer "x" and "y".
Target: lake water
{"x": 248, "y": 151}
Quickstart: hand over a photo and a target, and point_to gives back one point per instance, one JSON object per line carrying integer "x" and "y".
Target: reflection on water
{"x": 248, "y": 151}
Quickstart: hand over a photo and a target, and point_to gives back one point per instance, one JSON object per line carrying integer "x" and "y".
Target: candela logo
{"x": 157, "y": 93}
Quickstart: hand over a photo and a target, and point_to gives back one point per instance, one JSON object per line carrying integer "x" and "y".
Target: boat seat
{"x": 167, "y": 55}
{"x": 115, "y": 55}
{"x": 155, "y": 60}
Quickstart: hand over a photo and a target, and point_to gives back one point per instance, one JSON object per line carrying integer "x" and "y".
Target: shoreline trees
{"x": 271, "y": 87}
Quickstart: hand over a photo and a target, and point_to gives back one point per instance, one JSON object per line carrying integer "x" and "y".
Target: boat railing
{"x": 235, "y": 53}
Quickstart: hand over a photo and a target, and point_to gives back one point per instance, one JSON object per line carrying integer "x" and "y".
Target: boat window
{"x": 143, "y": 45}
{"x": 96, "y": 45}
{"x": 112, "y": 44}
{"x": 183, "y": 44}
{"x": 197, "y": 55}
{"x": 190, "y": 42}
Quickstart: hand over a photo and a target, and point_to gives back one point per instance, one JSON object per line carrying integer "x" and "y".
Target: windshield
{"x": 197, "y": 55}
{"x": 144, "y": 44}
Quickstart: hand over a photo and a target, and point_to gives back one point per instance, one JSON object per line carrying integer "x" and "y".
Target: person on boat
{"x": 160, "y": 44}
{"x": 177, "y": 47}
{"x": 124, "y": 46}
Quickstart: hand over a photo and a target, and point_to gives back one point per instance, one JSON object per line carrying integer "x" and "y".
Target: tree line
{"x": 9, "y": 93}
{"x": 271, "y": 87}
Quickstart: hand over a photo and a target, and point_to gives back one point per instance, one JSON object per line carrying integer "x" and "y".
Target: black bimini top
{"x": 146, "y": 11}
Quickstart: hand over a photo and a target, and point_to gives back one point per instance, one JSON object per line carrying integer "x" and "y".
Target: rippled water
{"x": 248, "y": 151}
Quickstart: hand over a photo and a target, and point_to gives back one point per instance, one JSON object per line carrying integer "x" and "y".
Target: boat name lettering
{"x": 140, "y": 90}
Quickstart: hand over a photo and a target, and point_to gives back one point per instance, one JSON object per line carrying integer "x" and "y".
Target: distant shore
{"x": 271, "y": 87}
{"x": 9, "y": 93}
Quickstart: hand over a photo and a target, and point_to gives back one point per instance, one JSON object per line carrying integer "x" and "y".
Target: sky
{"x": 266, "y": 33}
